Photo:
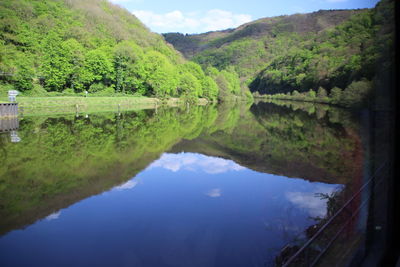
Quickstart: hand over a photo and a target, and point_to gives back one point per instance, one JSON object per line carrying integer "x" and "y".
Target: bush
{"x": 96, "y": 87}
{"x": 256, "y": 94}
{"x": 4, "y": 88}
{"x": 23, "y": 79}
{"x": 312, "y": 94}
{"x": 107, "y": 91}
{"x": 37, "y": 90}
{"x": 335, "y": 95}
{"x": 357, "y": 94}
{"x": 321, "y": 93}
{"x": 68, "y": 92}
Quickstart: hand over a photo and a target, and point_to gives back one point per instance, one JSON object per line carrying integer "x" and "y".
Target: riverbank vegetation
{"x": 356, "y": 95}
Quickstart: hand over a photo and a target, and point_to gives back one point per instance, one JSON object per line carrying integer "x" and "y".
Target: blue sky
{"x": 188, "y": 16}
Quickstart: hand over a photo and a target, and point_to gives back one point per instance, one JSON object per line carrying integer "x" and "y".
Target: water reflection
{"x": 125, "y": 186}
{"x": 195, "y": 162}
{"x": 180, "y": 217}
{"x": 310, "y": 200}
{"x": 53, "y": 216}
{"x": 215, "y": 192}
{"x": 177, "y": 188}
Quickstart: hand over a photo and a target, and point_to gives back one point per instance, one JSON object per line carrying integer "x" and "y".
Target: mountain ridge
{"x": 258, "y": 27}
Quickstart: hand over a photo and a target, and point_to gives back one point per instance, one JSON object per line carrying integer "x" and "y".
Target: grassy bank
{"x": 77, "y": 104}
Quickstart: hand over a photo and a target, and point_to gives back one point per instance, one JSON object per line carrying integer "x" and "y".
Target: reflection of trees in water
{"x": 285, "y": 226}
{"x": 74, "y": 157}
{"x": 306, "y": 141}
{"x": 335, "y": 202}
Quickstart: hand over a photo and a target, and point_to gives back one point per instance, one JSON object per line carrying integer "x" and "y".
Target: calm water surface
{"x": 209, "y": 186}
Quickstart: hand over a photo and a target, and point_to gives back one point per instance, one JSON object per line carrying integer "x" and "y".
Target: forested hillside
{"x": 325, "y": 56}
{"x": 64, "y": 47}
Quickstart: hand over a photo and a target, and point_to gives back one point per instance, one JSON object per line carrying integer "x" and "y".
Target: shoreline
{"x": 72, "y": 104}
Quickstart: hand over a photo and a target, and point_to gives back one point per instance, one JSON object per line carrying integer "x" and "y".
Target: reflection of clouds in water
{"x": 128, "y": 185}
{"x": 53, "y": 216}
{"x": 216, "y": 192}
{"x": 308, "y": 200}
{"x": 195, "y": 162}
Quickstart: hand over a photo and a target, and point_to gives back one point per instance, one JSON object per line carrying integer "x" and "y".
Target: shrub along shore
{"x": 354, "y": 96}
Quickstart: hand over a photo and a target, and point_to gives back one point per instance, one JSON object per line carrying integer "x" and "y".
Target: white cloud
{"x": 195, "y": 162}
{"x": 308, "y": 200}
{"x": 128, "y": 185}
{"x": 53, "y": 216}
{"x": 216, "y": 192}
{"x": 191, "y": 22}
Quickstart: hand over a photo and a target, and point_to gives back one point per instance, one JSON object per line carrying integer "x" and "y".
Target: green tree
{"x": 56, "y": 67}
{"x": 321, "y": 94}
{"x": 357, "y": 94}
{"x": 189, "y": 86}
{"x": 159, "y": 74}
{"x": 335, "y": 95}
{"x": 98, "y": 66}
{"x": 312, "y": 94}
{"x": 210, "y": 88}
{"x": 24, "y": 78}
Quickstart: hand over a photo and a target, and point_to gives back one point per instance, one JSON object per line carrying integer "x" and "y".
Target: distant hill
{"x": 191, "y": 44}
{"x": 319, "y": 51}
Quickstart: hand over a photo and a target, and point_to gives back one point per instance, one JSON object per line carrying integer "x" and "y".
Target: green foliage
{"x": 321, "y": 92}
{"x": 210, "y": 88}
{"x": 189, "y": 86}
{"x": 312, "y": 94}
{"x": 160, "y": 74}
{"x": 98, "y": 66}
{"x": 105, "y": 91}
{"x": 24, "y": 78}
{"x": 334, "y": 57}
{"x": 357, "y": 94}
{"x": 324, "y": 49}
{"x": 88, "y": 45}
{"x": 96, "y": 87}
{"x": 74, "y": 157}
{"x": 336, "y": 95}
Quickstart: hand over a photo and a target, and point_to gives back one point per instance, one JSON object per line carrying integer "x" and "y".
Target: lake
{"x": 225, "y": 185}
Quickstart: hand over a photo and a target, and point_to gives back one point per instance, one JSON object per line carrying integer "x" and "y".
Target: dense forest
{"x": 64, "y": 47}
{"x": 327, "y": 56}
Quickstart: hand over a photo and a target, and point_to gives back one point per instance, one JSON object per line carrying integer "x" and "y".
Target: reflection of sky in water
{"x": 53, "y": 216}
{"x": 195, "y": 162}
{"x": 315, "y": 206}
{"x": 128, "y": 185}
{"x": 184, "y": 210}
